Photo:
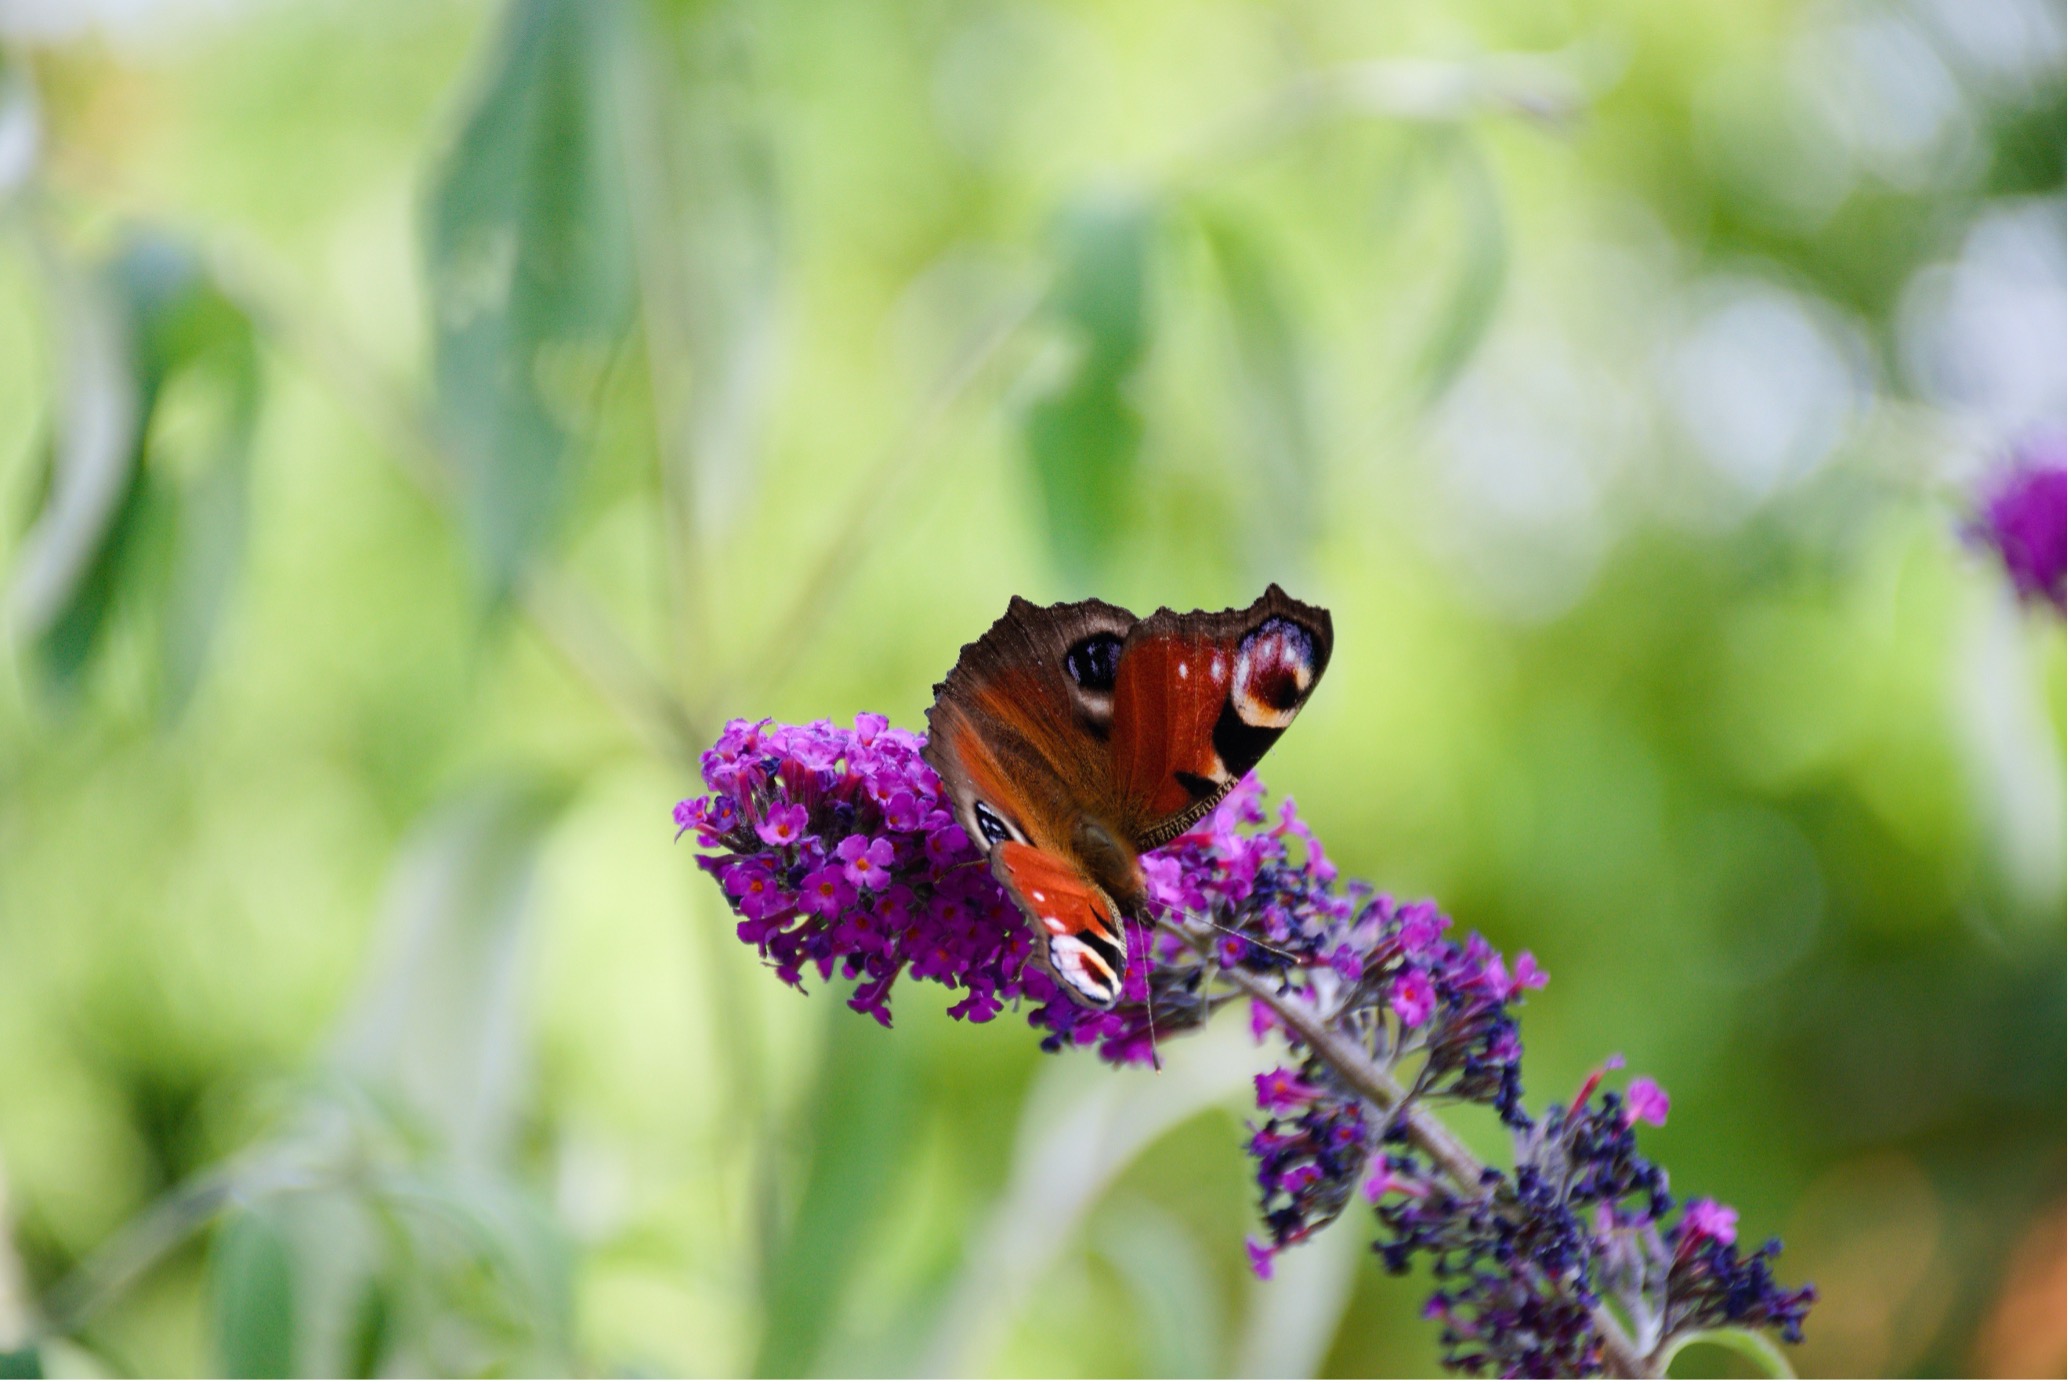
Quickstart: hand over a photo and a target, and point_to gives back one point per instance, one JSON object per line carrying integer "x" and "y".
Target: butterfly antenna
{"x": 1150, "y": 1017}
{"x": 1241, "y": 936}
{"x": 1150, "y": 998}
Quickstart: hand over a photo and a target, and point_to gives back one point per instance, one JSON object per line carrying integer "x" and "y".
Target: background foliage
{"x": 421, "y": 425}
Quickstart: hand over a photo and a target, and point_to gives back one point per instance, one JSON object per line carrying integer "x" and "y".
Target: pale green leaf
{"x": 1752, "y": 1346}
{"x": 529, "y": 254}
{"x": 252, "y": 1295}
{"x": 1274, "y": 389}
{"x": 1083, "y": 432}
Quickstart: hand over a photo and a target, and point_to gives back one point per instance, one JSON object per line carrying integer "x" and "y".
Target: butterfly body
{"x": 1074, "y": 737}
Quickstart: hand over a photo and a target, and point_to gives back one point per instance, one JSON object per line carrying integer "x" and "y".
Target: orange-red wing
{"x": 1200, "y": 698}
{"x": 1169, "y": 693}
{"x": 1078, "y": 924}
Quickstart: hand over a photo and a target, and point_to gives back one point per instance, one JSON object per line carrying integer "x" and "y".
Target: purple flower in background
{"x": 1646, "y": 1102}
{"x": 838, "y": 852}
{"x": 2021, "y": 518}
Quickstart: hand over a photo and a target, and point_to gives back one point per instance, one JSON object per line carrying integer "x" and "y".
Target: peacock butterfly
{"x": 1072, "y": 737}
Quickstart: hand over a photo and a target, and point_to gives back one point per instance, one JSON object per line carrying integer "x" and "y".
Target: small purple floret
{"x": 1707, "y": 1220}
{"x": 1412, "y": 998}
{"x": 1646, "y": 1102}
{"x": 1261, "y": 1256}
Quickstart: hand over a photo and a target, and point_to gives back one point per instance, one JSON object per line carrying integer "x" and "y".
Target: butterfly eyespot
{"x": 1082, "y": 966}
{"x": 991, "y": 826}
{"x": 1276, "y": 664}
{"x": 1092, "y": 662}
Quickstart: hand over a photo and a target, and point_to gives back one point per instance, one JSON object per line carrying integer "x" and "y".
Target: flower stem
{"x": 1429, "y": 1133}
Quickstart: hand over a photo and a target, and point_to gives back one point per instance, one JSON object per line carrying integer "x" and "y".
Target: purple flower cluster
{"x": 838, "y": 853}
{"x": 1396, "y": 985}
{"x": 1310, "y": 1153}
{"x": 1523, "y": 1261}
{"x": 836, "y": 848}
{"x": 2021, "y": 518}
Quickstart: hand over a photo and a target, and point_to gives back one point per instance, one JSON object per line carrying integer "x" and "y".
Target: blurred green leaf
{"x": 24, "y": 1362}
{"x": 1083, "y": 432}
{"x": 369, "y": 1340}
{"x": 708, "y": 214}
{"x": 1751, "y": 1346}
{"x": 530, "y": 260}
{"x": 439, "y": 1020}
{"x": 252, "y": 1292}
{"x": 1166, "y": 1275}
{"x": 861, "y": 1127}
{"x": 202, "y": 382}
{"x": 482, "y": 1251}
{"x": 64, "y": 582}
{"x": 1480, "y": 274}
{"x": 139, "y": 511}
{"x": 1273, "y": 384}
{"x": 1079, "y": 1131}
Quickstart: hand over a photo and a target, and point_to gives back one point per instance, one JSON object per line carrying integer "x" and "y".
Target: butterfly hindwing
{"x": 1078, "y": 926}
{"x": 1199, "y": 699}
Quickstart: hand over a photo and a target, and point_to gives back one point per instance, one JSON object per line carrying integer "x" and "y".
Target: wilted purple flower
{"x": 1523, "y": 1262}
{"x": 2021, "y": 518}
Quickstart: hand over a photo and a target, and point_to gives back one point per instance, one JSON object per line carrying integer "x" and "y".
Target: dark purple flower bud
{"x": 1523, "y": 1264}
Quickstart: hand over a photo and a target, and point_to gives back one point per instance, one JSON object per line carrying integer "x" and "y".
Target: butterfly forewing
{"x": 1019, "y": 730}
{"x": 1200, "y": 698}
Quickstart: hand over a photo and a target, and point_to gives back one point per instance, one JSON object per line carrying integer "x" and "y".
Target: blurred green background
{"x": 421, "y": 424}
